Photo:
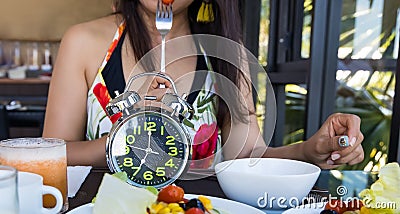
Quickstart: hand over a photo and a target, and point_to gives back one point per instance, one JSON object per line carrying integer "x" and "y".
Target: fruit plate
{"x": 222, "y": 205}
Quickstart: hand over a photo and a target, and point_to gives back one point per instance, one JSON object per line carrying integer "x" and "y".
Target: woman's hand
{"x": 323, "y": 148}
{"x": 151, "y": 87}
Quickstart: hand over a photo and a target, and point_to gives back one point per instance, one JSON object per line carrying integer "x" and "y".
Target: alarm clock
{"x": 149, "y": 143}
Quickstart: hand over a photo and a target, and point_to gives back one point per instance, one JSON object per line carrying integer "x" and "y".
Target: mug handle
{"x": 59, "y": 199}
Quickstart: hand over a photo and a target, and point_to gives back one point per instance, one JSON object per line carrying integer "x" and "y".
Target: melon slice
{"x": 117, "y": 196}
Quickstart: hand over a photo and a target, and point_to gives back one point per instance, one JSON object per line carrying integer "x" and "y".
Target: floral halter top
{"x": 206, "y": 136}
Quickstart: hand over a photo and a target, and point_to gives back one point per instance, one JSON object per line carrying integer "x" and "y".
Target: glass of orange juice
{"x": 44, "y": 156}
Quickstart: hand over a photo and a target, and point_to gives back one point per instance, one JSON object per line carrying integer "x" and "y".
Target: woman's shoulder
{"x": 94, "y": 32}
{"x": 86, "y": 44}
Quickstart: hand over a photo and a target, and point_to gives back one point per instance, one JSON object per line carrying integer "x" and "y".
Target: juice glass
{"x": 44, "y": 156}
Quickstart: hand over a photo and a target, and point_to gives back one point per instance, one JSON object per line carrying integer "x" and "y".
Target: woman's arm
{"x": 323, "y": 148}
{"x": 66, "y": 105}
{"x": 91, "y": 153}
{"x": 243, "y": 139}
{"x": 77, "y": 61}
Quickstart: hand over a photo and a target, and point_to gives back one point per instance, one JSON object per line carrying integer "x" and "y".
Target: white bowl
{"x": 269, "y": 183}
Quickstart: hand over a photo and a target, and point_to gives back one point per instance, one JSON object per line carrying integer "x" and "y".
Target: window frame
{"x": 286, "y": 66}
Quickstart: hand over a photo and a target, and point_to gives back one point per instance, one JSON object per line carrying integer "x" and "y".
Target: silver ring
{"x": 343, "y": 141}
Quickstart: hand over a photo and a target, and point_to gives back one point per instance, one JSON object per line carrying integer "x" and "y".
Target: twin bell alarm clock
{"x": 149, "y": 143}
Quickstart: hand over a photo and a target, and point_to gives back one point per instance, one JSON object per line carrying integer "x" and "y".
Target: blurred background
{"x": 333, "y": 56}
{"x": 321, "y": 56}
{"x": 30, "y": 34}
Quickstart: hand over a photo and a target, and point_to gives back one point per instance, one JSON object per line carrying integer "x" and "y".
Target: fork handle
{"x": 162, "y": 57}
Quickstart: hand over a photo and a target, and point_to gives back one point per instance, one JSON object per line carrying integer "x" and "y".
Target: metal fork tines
{"x": 163, "y": 24}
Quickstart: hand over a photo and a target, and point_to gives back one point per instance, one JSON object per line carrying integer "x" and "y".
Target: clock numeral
{"x": 150, "y": 126}
{"x": 160, "y": 171}
{"x": 136, "y": 130}
{"x": 127, "y": 150}
{"x": 148, "y": 175}
{"x": 170, "y": 141}
{"x": 130, "y": 139}
{"x": 170, "y": 163}
{"x": 173, "y": 151}
{"x": 128, "y": 162}
{"x": 136, "y": 168}
{"x": 162, "y": 130}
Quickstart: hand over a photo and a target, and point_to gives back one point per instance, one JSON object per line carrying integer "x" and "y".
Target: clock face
{"x": 150, "y": 147}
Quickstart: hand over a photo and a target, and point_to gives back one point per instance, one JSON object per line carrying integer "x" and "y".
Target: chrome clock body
{"x": 149, "y": 143}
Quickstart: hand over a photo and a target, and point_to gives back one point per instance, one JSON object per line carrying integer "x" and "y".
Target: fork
{"x": 317, "y": 195}
{"x": 163, "y": 24}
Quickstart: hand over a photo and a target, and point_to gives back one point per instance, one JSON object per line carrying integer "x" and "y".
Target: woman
{"x": 82, "y": 74}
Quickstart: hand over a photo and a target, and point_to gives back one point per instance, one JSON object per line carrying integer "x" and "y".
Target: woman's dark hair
{"x": 227, "y": 24}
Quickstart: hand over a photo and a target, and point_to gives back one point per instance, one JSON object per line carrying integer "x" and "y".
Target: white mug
{"x": 8, "y": 190}
{"x": 30, "y": 194}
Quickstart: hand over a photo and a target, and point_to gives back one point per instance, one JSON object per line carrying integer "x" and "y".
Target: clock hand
{"x": 146, "y": 150}
{"x": 143, "y": 160}
{"x": 153, "y": 152}
{"x": 149, "y": 134}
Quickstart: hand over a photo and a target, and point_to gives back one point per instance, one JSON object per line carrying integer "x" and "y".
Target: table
{"x": 205, "y": 186}
{"x": 342, "y": 184}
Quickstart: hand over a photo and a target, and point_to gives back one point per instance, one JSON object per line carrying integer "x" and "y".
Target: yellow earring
{"x": 205, "y": 14}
